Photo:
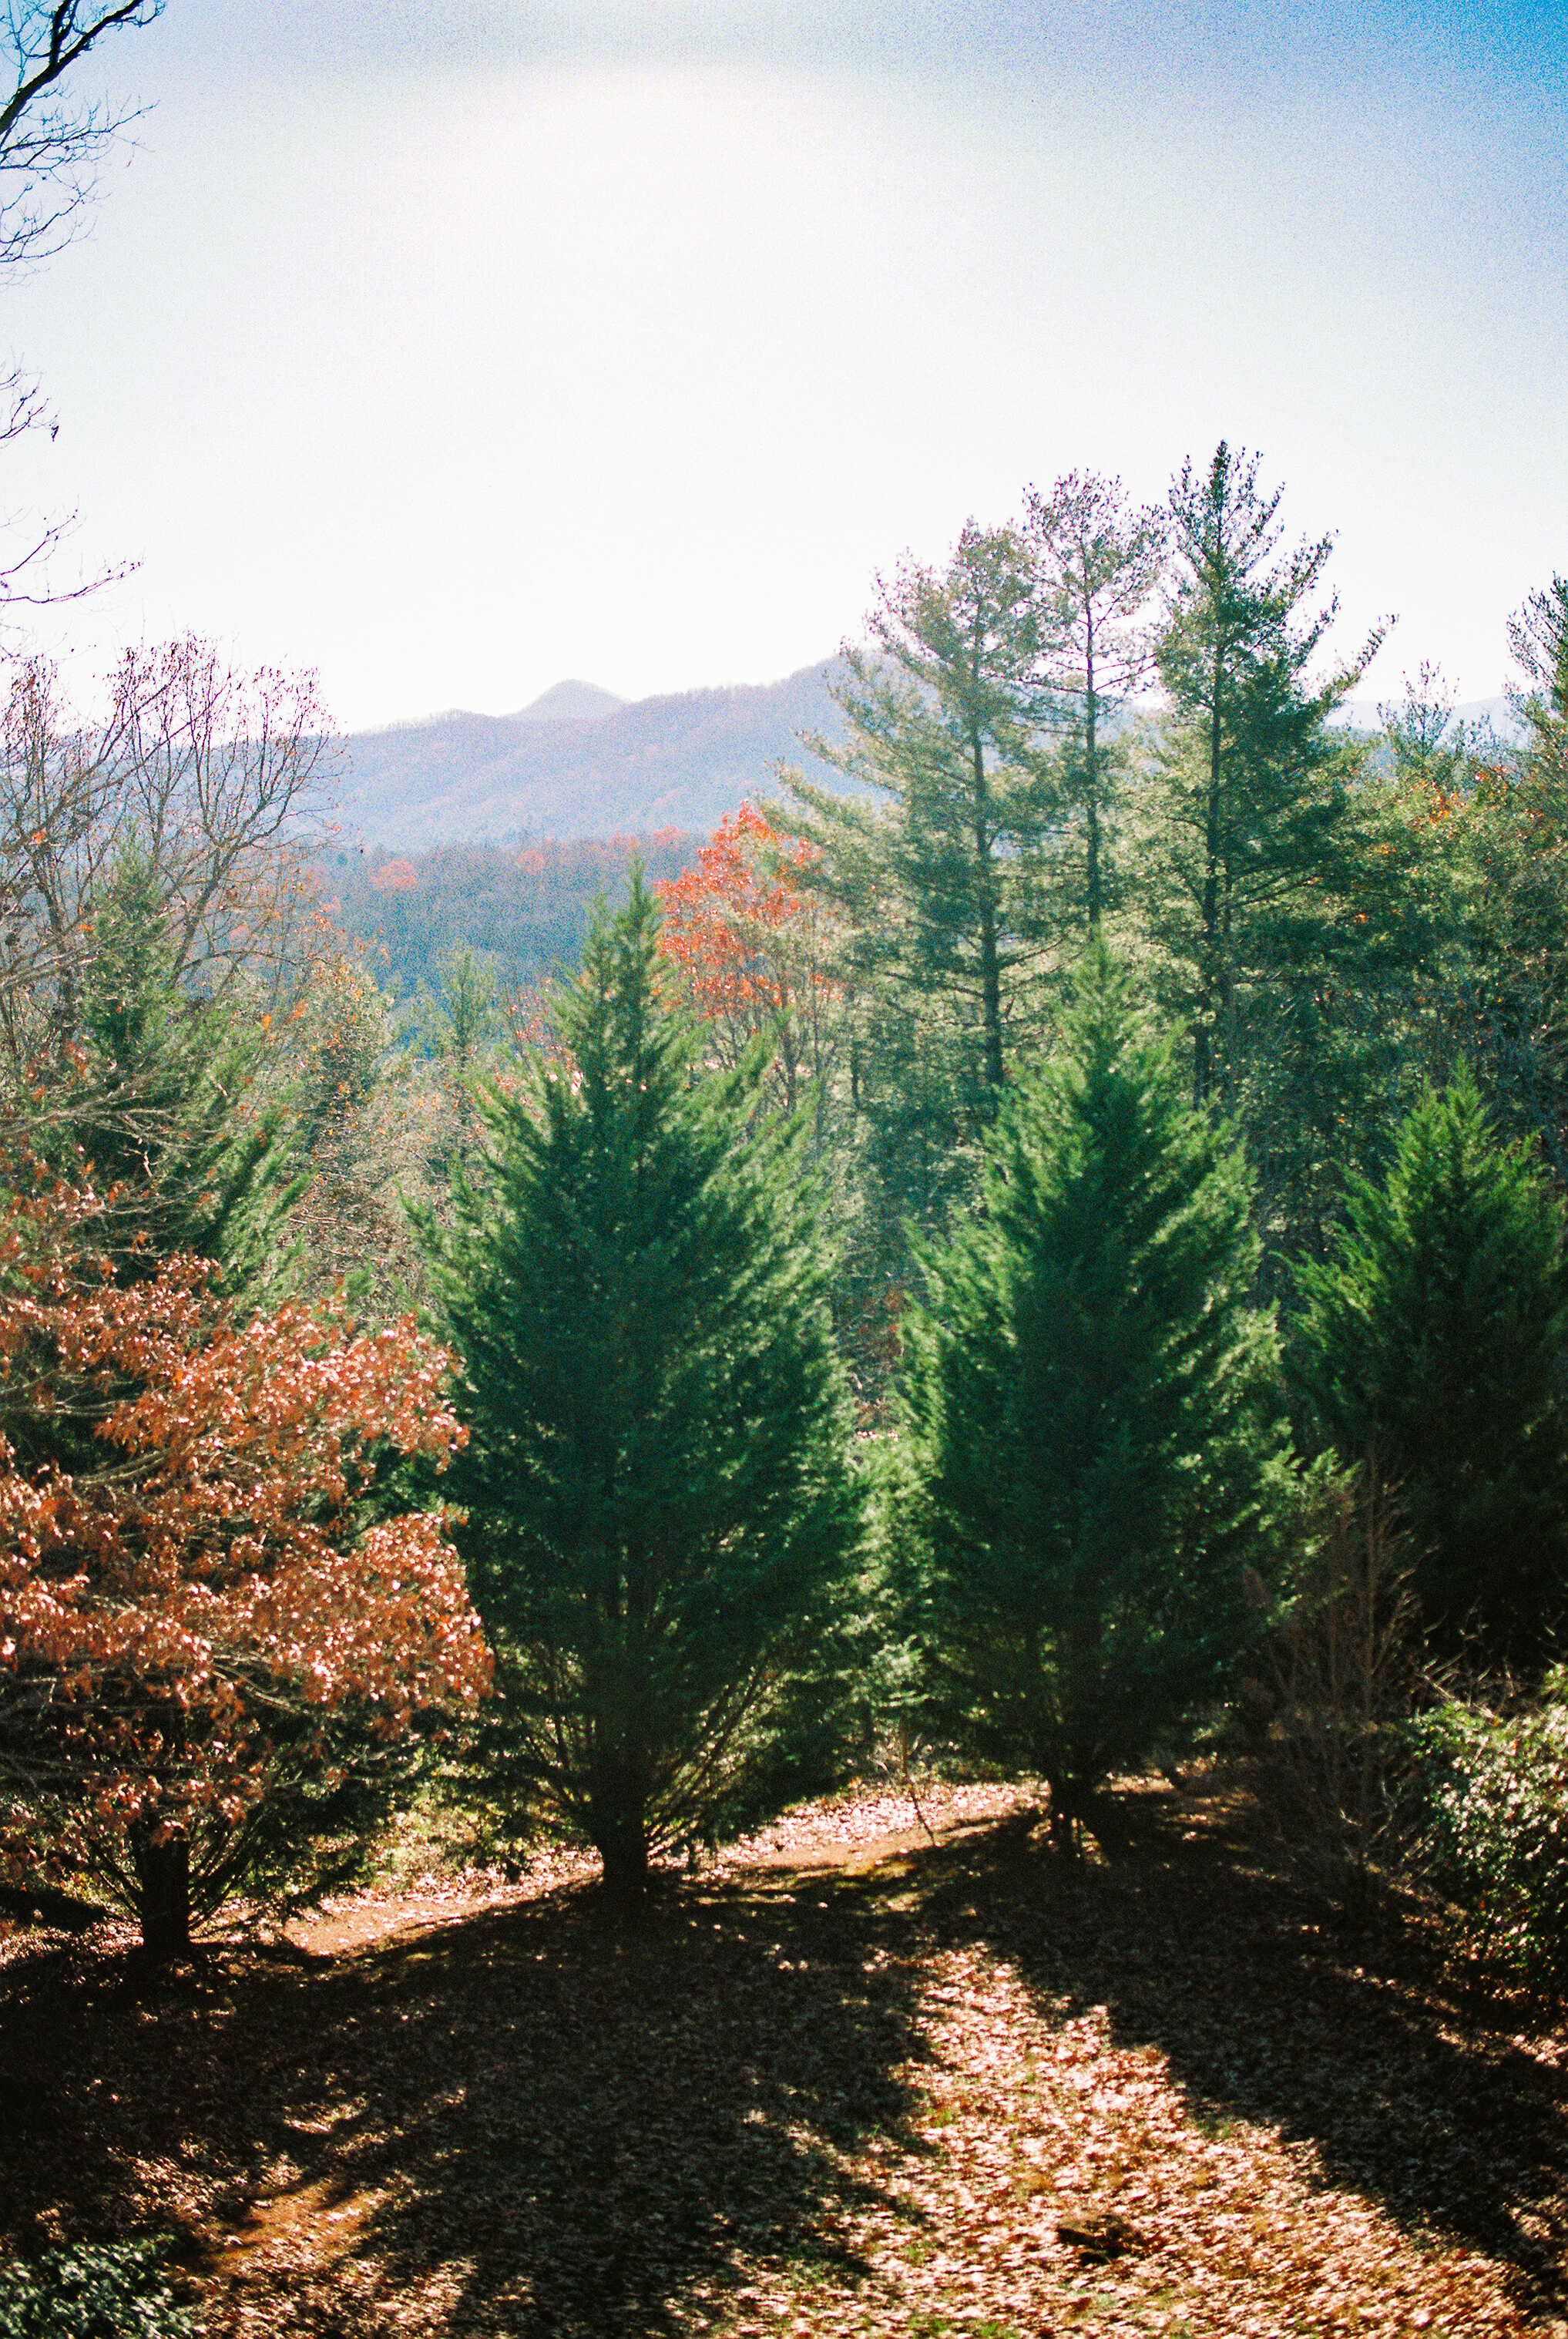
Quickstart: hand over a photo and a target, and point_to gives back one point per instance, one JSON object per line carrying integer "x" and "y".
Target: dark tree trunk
{"x": 990, "y": 953}
{"x": 990, "y": 984}
{"x": 622, "y": 1846}
{"x": 1091, "y": 778}
{"x": 1203, "y": 1060}
{"x": 164, "y": 1875}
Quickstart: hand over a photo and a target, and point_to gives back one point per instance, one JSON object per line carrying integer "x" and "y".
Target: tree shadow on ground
{"x": 532, "y": 2122}
{"x": 539, "y": 2122}
{"x": 1416, "y": 2090}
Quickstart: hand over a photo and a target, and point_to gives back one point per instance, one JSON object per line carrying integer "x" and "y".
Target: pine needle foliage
{"x": 1093, "y": 1403}
{"x": 1432, "y": 1340}
{"x": 168, "y": 1107}
{"x": 661, "y": 1505}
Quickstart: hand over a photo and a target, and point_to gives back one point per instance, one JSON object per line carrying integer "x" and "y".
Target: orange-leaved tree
{"x": 753, "y": 946}
{"x": 212, "y": 1618}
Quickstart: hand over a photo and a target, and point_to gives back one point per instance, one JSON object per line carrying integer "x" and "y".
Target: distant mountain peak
{"x": 557, "y": 768}
{"x": 570, "y": 701}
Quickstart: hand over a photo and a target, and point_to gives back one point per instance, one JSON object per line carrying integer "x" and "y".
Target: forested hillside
{"x": 677, "y": 762}
{"x": 524, "y": 909}
{"x": 1085, "y": 1012}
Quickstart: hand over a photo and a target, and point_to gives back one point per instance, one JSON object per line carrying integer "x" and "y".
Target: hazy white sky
{"x": 453, "y": 347}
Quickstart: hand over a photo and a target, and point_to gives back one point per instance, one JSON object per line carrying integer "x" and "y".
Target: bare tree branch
{"x": 221, "y": 779}
{"x": 49, "y": 151}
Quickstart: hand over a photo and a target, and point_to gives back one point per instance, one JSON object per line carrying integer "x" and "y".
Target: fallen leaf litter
{"x": 842, "y": 2081}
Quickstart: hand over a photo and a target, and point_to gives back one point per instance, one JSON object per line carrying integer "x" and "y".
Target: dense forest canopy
{"x": 524, "y": 909}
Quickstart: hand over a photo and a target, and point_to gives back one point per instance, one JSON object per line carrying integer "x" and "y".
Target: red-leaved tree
{"x": 751, "y": 948}
{"x": 211, "y": 1616}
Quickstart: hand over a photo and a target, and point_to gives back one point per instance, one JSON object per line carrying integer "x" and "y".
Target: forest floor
{"x": 849, "y": 2080}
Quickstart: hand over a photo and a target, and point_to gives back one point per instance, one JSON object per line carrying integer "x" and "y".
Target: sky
{"x": 451, "y": 348}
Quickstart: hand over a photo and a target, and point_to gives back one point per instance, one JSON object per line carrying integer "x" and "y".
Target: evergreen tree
{"x": 1433, "y": 1341}
{"x": 170, "y": 1106}
{"x": 1538, "y": 638}
{"x": 1094, "y": 1413}
{"x": 1095, "y": 562}
{"x": 938, "y": 867}
{"x": 1431, "y": 753}
{"x": 659, "y": 1497}
{"x": 1256, "y": 848}
{"x": 1447, "y": 976}
{"x": 1263, "y": 893}
{"x": 940, "y": 882}
{"x": 1515, "y": 998}
{"x": 158, "y": 1112}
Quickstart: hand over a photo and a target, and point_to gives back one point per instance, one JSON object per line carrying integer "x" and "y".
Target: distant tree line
{"x": 523, "y": 911}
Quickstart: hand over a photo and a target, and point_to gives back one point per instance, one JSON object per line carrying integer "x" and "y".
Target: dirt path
{"x": 847, "y": 2081}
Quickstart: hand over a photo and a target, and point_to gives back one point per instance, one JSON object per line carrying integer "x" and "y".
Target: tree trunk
{"x": 991, "y": 988}
{"x": 1203, "y": 1060}
{"x": 989, "y": 955}
{"x": 622, "y": 1846}
{"x": 1091, "y": 779}
{"x": 164, "y": 1875}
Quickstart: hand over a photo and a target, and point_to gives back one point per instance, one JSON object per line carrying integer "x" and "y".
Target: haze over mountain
{"x": 579, "y": 761}
{"x": 571, "y": 702}
{"x": 1364, "y": 714}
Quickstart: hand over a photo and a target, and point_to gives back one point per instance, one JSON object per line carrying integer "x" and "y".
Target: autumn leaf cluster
{"x": 189, "y": 1558}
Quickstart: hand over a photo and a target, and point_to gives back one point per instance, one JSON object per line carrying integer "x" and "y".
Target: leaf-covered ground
{"x": 848, "y": 2081}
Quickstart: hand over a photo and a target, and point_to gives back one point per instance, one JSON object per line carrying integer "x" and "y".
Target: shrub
{"x": 1489, "y": 1807}
{"x": 1341, "y": 1675}
{"x": 111, "y": 2290}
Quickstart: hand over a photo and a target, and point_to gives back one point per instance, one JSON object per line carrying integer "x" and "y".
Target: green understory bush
{"x": 109, "y": 2290}
{"x": 1489, "y": 1818}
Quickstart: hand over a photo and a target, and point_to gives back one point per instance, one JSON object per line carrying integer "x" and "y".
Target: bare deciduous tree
{"x": 50, "y": 149}
{"x": 223, "y": 777}
{"x": 218, "y": 778}
{"x": 56, "y": 788}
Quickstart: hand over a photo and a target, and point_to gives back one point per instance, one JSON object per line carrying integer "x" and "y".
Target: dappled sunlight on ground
{"x": 865, "y": 2075}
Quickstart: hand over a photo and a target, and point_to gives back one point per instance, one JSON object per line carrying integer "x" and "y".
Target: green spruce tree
{"x": 1094, "y": 1414}
{"x": 171, "y": 1107}
{"x": 660, "y": 1503}
{"x": 1431, "y": 1342}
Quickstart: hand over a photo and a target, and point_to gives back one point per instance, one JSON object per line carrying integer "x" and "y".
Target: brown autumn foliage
{"x": 190, "y": 1579}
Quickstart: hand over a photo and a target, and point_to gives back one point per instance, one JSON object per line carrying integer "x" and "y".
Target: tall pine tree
{"x": 1096, "y": 562}
{"x": 1255, "y": 842}
{"x": 940, "y": 881}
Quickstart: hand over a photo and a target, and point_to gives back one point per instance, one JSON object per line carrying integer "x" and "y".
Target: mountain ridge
{"x": 676, "y": 760}
{"x": 578, "y": 762}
